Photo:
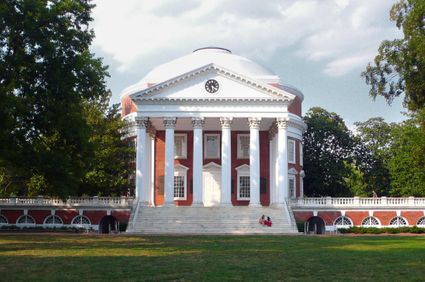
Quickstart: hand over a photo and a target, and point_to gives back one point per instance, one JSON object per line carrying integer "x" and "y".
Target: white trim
{"x": 242, "y": 170}
{"x": 398, "y": 225}
{"x": 292, "y": 144}
{"x": 301, "y": 154}
{"x": 5, "y": 219}
{"x": 239, "y": 148}
{"x": 218, "y": 149}
{"x": 53, "y": 224}
{"x": 367, "y": 217}
{"x": 25, "y": 224}
{"x": 342, "y": 217}
{"x": 181, "y": 170}
{"x": 184, "y": 146}
{"x": 80, "y": 224}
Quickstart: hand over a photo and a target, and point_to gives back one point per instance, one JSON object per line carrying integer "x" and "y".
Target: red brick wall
{"x": 67, "y": 215}
{"x": 412, "y": 216}
{"x": 121, "y": 216}
{"x": 329, "y": 216}
{"x": 39, "y": 215}
{"x": 12, "y": 215}
{"x": 127, "y": 105}
{"x": 357, "y": 216}
{"x": 95, "y": 216}
{"x": 295, "y": 107}
{"x": 303, "y": 216}
{"x": 384, "y": 216}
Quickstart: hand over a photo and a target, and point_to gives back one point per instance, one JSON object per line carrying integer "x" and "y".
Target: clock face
{"x": 211, "y": 85}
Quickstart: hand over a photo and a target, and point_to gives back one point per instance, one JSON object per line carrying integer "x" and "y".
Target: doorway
{"x": 212, "y": 184}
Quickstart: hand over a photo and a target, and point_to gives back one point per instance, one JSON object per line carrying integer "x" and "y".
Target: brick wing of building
{"x": 218, "y": 142}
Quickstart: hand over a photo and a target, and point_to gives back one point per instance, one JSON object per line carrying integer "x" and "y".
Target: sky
{"x": 319, "y": 46}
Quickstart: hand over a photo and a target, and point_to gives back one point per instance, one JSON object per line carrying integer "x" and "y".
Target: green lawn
{"x": 127, "y": 258}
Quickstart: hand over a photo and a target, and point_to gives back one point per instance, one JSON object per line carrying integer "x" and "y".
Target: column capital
{"x": 254, "y": 123}
{"x": 170, "y": 122}
{"x": 142, "y": 122}
{"x": 151, "y": 131}
{"x": 282, "y": 123}
{"x": 198, "y": 122}
{"x": 272, "y": 131}
{"x": 226, "y": 122}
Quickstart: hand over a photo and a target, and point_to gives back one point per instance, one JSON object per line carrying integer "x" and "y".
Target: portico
{"x": 219, "y": 132}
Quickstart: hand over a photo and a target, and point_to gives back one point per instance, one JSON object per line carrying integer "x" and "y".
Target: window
{"x": 421, "y": 222}
{"x": 80, "y": 220}
{"x": 398, "y": 221}
{"x": 243, "y": 146}
{"x": 180, "y": 146}
{"x": 243, "y": 182}
{"x": 244, "y": 187}
{"x": 211, "y": 146}
{"x": 370, "y": 221}
{"x": 3, "y": 220}
{"x": 343, "y": 222}
{"x": 53, "y": 220}
{"x": 292, "y": 186}
{"x": 301, "y": 154}
{"x": 291, "y": 151}
{"x": 26, "y": 220}
{"x": 180, "y": 182}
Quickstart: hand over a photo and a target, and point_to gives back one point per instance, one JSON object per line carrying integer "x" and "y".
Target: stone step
{"x": 210, "y": 220}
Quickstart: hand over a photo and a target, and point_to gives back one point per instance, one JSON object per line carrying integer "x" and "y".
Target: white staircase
{"x": 210, "y": 220}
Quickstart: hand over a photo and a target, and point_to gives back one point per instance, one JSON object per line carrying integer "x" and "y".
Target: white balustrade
{"x": 356, "y": 202}
{"x": 124, "y": 202}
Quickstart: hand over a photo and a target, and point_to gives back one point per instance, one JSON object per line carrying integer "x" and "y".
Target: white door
{"x": 212, "y": 181}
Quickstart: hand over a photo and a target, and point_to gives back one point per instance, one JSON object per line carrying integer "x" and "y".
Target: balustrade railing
{"x": 71, "y": 201}
{"x": 358, "y": 202}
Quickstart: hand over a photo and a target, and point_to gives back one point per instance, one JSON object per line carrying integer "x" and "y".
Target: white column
{"x": 226, "y": 161}
{"x": 141, "y": 175}
{"x": 198, "y": 189}
{"x": 272, "y": 154}
{"x": 282, "y": 125}
{"x": 271, "y": 169}
{"x": 254, "y": 161}
{"x": 169, "y": 124}
{"x": 151, "y": 165}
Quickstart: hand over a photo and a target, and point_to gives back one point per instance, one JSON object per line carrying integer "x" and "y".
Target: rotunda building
{"x": 215, "y": 130}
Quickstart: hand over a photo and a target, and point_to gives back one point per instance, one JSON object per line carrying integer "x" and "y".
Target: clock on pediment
{"x": 212, "y": 86}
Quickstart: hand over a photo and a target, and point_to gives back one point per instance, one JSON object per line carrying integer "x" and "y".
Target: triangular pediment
{"x": 191, "y": 86}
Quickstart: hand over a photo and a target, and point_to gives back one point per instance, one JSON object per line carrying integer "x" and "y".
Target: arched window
{"x": 53, "y": 220}
{"x": 25, "y": 220}
{"x": 370, "y": 221}
{"x": 80, "y": 220}
{"x": 343, "y": 222}
{"x": 421, "y": 222}
{"x": 3, "y": 220}
{"x": 398, "y": 221}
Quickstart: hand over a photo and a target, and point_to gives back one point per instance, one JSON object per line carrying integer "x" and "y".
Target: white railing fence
{"x": 71, "y": 201}
{"x": 358, "y": 202}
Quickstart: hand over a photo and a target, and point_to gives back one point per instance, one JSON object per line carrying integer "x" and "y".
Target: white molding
{"x": 184, "y": 146}
{"x": 150, "y": 92}
{"x": 238, "y": 145}
{"x": 211, "y": 166}
{"x": 242, "y": 170}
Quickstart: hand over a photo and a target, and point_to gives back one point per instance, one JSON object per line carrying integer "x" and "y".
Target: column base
{"x": 277, "y": 205}
{"x": 198, "y": 205}
{"x": 168, "y": 205}
{"x": 255, "y": 205}
{"x": 225, "y": 205}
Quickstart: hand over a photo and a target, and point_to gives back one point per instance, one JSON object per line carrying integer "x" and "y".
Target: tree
{"x": 47, "y": 73}
{"x": 328, "y": 146}
{"x": 109, "y": 170}
{"x": 375, "y": 135}
{"x": 407, "y": 162}
{"x": 399, "y": 67}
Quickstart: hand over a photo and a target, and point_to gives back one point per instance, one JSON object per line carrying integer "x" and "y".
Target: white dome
{"x": 202, "y": 57}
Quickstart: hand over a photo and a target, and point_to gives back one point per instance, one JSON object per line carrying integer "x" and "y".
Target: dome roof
{"x": 202, "y": 57}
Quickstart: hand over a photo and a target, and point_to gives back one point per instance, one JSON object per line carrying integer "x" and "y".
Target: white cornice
{"x": 276, "y": 94}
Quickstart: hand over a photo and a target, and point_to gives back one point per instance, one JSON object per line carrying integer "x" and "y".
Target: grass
{"x": 41, "y": 257}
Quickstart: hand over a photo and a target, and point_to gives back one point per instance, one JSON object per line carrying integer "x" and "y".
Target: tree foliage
{"x": 52, "y": 100}
{"x": 399, "y": 67}
{"x": 328, "y": 146}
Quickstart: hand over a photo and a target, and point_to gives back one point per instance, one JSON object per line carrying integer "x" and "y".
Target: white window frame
{"x": 239, "y": 149}
{"x": 3, "y": 220}
{"x": 242, "y": 170}
{"x": 294, "y": 178}
{"x": 368, "y": 222}
{"x": 26, "y": 223}
{"x": 80, "y": 216}
{"x": 184, "y": 149}
{"x": 398, "y": 219}
{"x": 181, "y": 170}
{"x": 292, "y": 142}
{"x": 217, "y": 153}
{"x": 53, "y": 224}
{"x": 340, "y": 222}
